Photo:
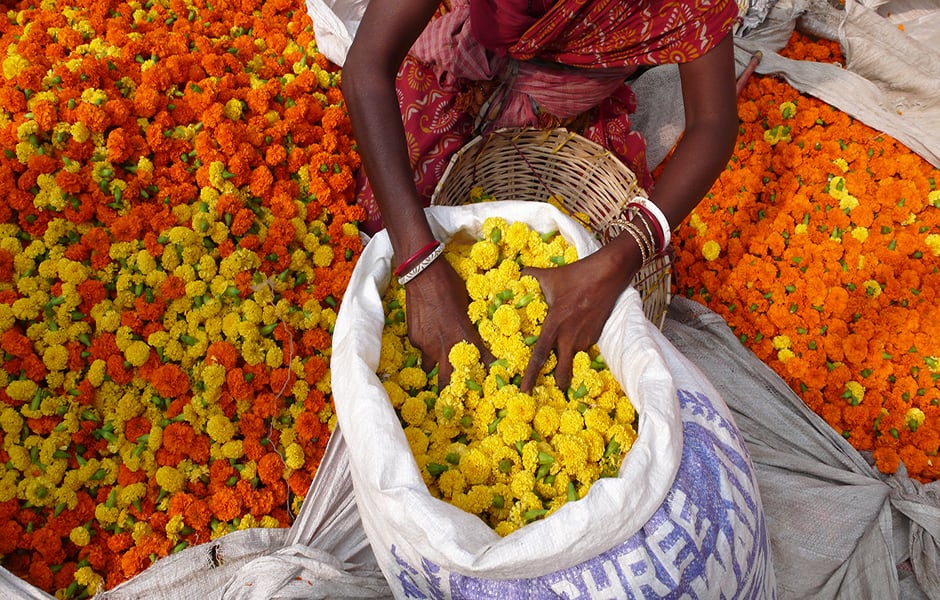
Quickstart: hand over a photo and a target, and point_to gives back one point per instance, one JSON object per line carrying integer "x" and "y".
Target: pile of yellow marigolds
{"x": 178, "y": 229}
{"x": 480, "y": 443}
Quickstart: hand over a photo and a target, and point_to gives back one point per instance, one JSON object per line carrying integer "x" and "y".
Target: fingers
{"x": 540, "y": 353}
{"x": 444, "y": 371}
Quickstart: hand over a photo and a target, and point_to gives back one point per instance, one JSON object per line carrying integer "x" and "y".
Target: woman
{"x": 577, "y": 49}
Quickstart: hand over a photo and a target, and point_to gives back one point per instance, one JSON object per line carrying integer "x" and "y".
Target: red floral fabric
{"x": 572, "y": 61}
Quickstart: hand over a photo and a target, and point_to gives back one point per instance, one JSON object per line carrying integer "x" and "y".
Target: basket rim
{"x": 653, "y": 279}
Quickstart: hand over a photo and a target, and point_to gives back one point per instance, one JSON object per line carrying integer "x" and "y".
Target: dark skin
{"x": 437, "y": 299}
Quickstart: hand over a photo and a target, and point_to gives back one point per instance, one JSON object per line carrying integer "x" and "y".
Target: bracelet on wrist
{"x": 650, "y": 210}
{"x": 407, "y": 264}
{"x": 421, "y": 266}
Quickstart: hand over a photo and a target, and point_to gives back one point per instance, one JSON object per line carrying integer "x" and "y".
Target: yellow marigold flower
{"x": 80, "y": 536}
{"x": 233, "y": 449}
{"x": 137, "y": 353}
{"x": 842, "y": 164}
{"x": 571, "y": 255}
{"x": 216, "y": 175}
{"x": 933, "y": 242}
{"x": 586, "y": 477}
{"x": 449, "y": 407}
{"x": 451, "y": 483}
{"x": 872, "y": 288}
{"x": 131, "y": 493}
{"x": 854, "y": 392}
{"x": 464, "y": 355}
{"x": 596, "y": 444}
{"x": 546, "y": 421}
{"x": 170, "y": 479}
{"x": 220, "y": 428}
{"x": 507, "y": 320}
{"x": 597, "y": 419}
{"x": 787, "y": 110}
{"x": 513, "y": 431}
{"x": 107, "y": 515}
{"x": 413, "y": 411}
{"x": 572, "y": 451}
{"x": 477, "y": 310}
{"x": 711, "y": 250}
{"x": 22, "y": 390}
{"x": 914, "y": 417}
{"x": 50, "y": 195}
{"x": 11, "y": 421}
{"x": 485, "y": 254}
{"x": 536, "y": 310}
{"x": 478, "y": 287}
{"x": 417, "y": 440}
{"x": 781, "y": 341}
{"x": 848, "y": 202}
{"x": 97, "y": 371}
{"x": 396, "y": 394}
{"x": 87, "y": 577}
{"x": 413, "y": 378}
{"x": 475, "y": 466}
{"x": 520, "y": 407}
{"x": 571, "y": 422}
{"x": 785, "y": 355}
{"x": 26, "y": 309}
{"x": 623, "y": 434}
{"x": 233, "y": 109}
{"x": 323, "y": 256}
{"x": 504, "y": 528}
{"x": 56, "y": 358}
{"x": 522, "y": 484}
{"x": 530, "y": 456}
{"x": 294, "y": 456}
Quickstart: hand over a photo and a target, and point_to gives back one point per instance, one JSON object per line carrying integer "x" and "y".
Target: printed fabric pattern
{"x": 572, "y": 63}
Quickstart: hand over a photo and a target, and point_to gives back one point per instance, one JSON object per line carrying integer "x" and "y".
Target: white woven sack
{"x": 647, "y": 531}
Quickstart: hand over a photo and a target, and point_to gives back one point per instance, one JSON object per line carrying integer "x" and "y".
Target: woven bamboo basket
{"x": 591, "y": 184}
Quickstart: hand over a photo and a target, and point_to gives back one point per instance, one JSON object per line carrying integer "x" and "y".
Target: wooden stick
{"x": 748, "y": 71}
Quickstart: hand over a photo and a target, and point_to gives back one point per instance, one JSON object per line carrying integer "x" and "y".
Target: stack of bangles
{"x": 418, "y": 262}
{"x": 655, "y": 235}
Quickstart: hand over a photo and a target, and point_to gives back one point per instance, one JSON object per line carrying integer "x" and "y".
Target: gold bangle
{"x": 645, "y": 245}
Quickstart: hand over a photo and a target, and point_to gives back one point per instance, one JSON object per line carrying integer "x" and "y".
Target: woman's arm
{"x": 582, "y": 295}
{"x": 436, "y": 299}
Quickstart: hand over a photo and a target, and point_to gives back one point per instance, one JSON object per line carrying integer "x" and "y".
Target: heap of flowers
{"x": 177, "y": 232}
{"x": 480, "y": 443}
{"x": 819, "y": 245}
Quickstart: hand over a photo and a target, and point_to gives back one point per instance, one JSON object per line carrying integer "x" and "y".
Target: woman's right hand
{"x": 436, "y": 308}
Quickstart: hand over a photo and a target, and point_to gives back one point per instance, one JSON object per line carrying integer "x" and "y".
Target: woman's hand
{"x": 436, "y": 307}
{"x": 580, "y": 298}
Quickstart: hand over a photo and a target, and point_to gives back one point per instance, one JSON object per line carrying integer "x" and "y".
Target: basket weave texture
{"x": 588, "y": 181}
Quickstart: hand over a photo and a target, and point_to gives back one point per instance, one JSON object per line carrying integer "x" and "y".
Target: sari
{"x": 487, "y": 64}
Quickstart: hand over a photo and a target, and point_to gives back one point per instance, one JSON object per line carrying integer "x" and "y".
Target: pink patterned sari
{"x": 568, "y": 67}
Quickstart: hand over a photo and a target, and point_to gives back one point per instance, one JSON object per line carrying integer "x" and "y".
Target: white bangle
{"x": 660, "y": 217}
{"x": 425, "y": 262}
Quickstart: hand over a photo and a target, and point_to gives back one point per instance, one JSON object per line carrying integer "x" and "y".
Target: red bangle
{"x": 414, "y": 257}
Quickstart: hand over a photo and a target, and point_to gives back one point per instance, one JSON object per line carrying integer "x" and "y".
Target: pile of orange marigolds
{"x": 180, "y": 226}
{"x": 819, "y": 245}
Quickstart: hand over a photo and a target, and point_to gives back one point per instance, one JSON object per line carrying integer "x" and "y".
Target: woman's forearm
{"x": 386, "y": 33}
